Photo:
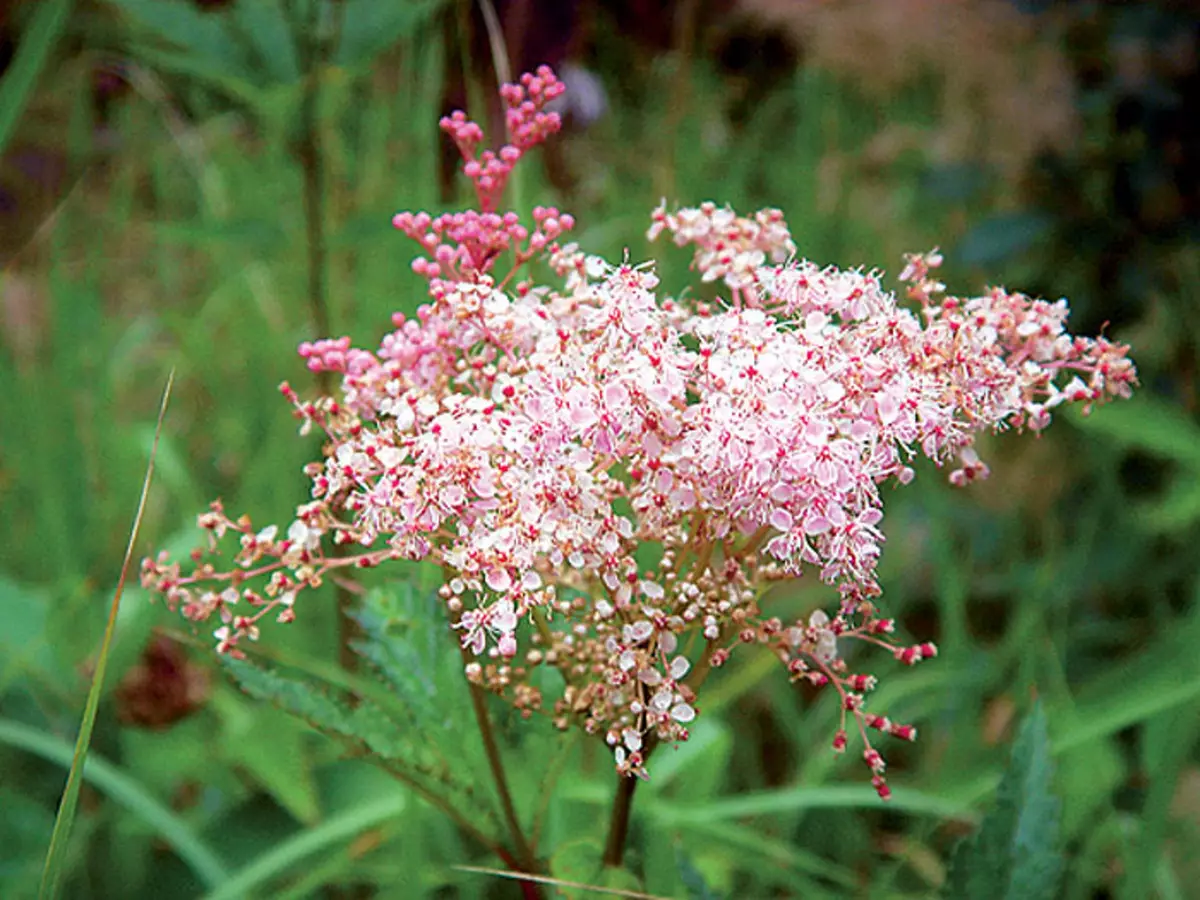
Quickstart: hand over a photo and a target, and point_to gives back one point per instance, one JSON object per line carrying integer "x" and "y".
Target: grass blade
{"x": 56, "y": 855}
{"x": 39, "y": 39}
{"x": 285, "y": 856}
{"x": 114, "y": 783}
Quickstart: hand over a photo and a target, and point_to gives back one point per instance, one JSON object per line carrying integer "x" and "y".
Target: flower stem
{"x": 618, "y": 822}
{"x": 523, "y": 854}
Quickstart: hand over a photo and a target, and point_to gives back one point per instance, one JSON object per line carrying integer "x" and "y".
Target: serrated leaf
{"x": 406, "y": 641}
{"x": 365, "y": 726}
{"x": 1015, "y": 854}
{"x": 364, "y": 723}
{"x": 269, "y": 745}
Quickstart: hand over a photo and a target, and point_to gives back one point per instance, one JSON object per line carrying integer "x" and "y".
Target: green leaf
{"x": 222, "y": 80}
{"x": 795, "y": 799}
{"x": 370, "y": 27}
{"x": 1015, "y": 853}
{"x": 182, "y": 25}
{"x": 365, "y": 726}
{"x": 408, "y": 641}
{"x": 285, "y": 857}
{"x": 1087, "y": 776}
{"x": 693, "y": 880}
{"x": 22, "y": 622}
{"x": 577, "y": 862}
{"x": 123, "y": 789}
{"x": 37, "y": 41}
{"x": 1150, "y": 425}
{"x": 24, "y": 829}
{"x": 270, "y": 746}
{"x": 264, "y": 27}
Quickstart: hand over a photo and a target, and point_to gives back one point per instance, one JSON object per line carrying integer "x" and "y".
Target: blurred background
{"x": 202, "y": 185}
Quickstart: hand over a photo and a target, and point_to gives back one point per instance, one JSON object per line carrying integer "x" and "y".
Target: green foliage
{"x": 365, "y": 727}
{"x": 252, "y": 53}
{"x": 20, "y": 77}
{"x": 122, "y": 788}
{"x": 1073, "y": 571}
{"x": 1015, "y": 853}
{"x": 406, "y": 641}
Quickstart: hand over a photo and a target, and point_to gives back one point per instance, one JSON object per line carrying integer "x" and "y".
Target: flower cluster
{"x": 612, "y": 480}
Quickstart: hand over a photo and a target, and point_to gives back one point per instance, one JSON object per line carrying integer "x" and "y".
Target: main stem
{"x": 618, "y": 823}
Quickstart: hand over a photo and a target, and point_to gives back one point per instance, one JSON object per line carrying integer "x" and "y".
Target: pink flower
{"x": 529, "y": 439}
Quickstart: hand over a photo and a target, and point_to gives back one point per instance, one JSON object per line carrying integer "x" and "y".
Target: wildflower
{"x": 529, "y": 439}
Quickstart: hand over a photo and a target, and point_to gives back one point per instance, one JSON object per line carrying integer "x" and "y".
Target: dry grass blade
{"x": 56, "y": 855}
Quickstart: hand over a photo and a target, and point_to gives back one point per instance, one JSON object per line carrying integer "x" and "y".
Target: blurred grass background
{"x": 156, "y": 156}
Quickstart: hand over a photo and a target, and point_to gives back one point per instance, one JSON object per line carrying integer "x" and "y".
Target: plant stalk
{"x": 484, "y": 720}
{"x": 618, "y": 822}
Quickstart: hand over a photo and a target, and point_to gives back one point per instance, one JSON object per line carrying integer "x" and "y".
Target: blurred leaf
{"x": 24, "y": 830}
{"x": 122, "y": 788}
{"x": 369, "y": 27}
{"x": 184, "y": 25}
{"x": 270, "y": 746}
{"x": 577, "y": 861}
{"x": 1164, "y": 677}
{"x": 258, "y": 236}
{"x": 1087, "y": 776}
{"x": 234, "y": 86}
{"x": 263, "y": 25}
{"x": 23, "y": 644}
{"x": 693, "y": 880}
{"x": 20, "y": 77}
{"x": 794, "y": 799}
{"x": 1179, "y": 509}
{"x": 703, "y": 760}
{"x": 1002, "y": 236}
{"x": 1015, "y": 853}
{"x": 1147, "y": 424}
{"x": 744, "y": 843}
{"x": 286, "y": 857}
